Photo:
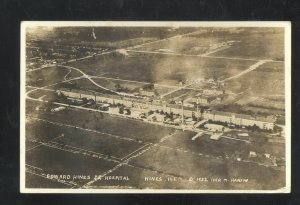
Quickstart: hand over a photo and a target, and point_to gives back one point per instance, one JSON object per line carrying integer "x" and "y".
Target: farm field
{"x": 205, "y": 146}
{"x": 50, "y": 75}
{"x": 258, "y": 44}
{"x": 160, "y": 68}
{"x": 35, "y": 181}
{"x": 139, "y": 177}
{"x": 61, "y": 162}
{"x": 197, "y": 166}
{"x": 83, "y": 140}
{"x": 85, "y": 84}
{"x": 106, "y": 36}
{"x": 187, "y": 45}
{"x": 105, "y": 123}
{"x": 255, "y": 83}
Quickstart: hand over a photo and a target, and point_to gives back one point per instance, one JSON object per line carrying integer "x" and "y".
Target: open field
{"x": 183, "y": 164}
{"x": 138, "y": 178}
{"x": 42, "y": 94}
{"x": 221, "y": 148}
{"x": 259, "y": 43}
{"x": 85, "y": 138}
{"x": 255, "y": 81}
{"x": 62, "y": 162}
{"x": 105, "y": 36}
{"x": 161, "y": 68}
{"x": 50, "y": 75}
{"x": 105, "y": 144}
{"x": 36, "y": 181}
{"x": 111, "y": 84}
{"x": 186, "y": 45}
{"x": 130, "y": 128}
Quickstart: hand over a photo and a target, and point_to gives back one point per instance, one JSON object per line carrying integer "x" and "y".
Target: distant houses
{"x": 147, "y": 93}
{"x": 208, "y": 96}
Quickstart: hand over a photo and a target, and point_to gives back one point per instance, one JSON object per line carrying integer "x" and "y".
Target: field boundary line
{"x": 135, "y": 151}
{"x": 251, "y": 68}
{"x": 88, "y": 130}
{"x": 87, "y": 185}
{"x": 49, "y": 179}
{"x": 141, "y": 151}
{"x": 81, "y": 149}
{"x": 34, "y": 167}
{"x": 40, "y": 143}
{"x": 202, "y": 56}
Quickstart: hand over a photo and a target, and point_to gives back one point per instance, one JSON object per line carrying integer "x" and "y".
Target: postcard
{"x": 155, "y": 107}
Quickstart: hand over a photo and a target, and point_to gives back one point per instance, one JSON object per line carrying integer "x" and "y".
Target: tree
{"x": 117, "y": 86}
{"x": 277, "y": 129}
{"x": 121, "y": 110}
{"x": 149, "y": 86}
{"x": 194, "y": 117}
{"x": 150, "y": 112}
{"x": 171, "y": 115}
{"x": 84, "y": 100}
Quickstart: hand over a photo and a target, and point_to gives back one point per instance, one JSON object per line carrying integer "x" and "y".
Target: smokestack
{"x": 197, "y": 104}
{"x": 182, "y": 111}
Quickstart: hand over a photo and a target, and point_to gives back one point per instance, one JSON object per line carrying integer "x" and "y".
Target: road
{"x": 46, "y": 86}
{"x": 69, "y": 61}
{"x": 161, "y": 40}
{"x": 177, "y": 89}
{"x": 112, "y": 51}
{"x": 201, "y": 55}
{"x": 216, "y": 50}
{"x": 84, "y": 75}
{"x": 251, "y": 68}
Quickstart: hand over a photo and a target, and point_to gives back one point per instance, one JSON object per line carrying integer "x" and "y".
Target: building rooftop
{"x": 243, "y": 116}
{"x": 270, "y": 119}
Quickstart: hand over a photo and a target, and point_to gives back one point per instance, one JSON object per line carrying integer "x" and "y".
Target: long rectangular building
{"x": 216, "y": 116}
{"x": 239, "y": 119}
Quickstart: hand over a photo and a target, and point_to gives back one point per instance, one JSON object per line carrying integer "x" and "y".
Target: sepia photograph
{"x": 155, "y": 107}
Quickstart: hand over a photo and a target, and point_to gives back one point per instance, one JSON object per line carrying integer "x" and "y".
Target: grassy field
{"x": 137, "y": 177}
{"x": 100, "y": 143}
{"x": 257, "y": 44}
{"x": 160, "y": 68}
{"x": 125, "y": 137}
{"x": 42, "y": 94}
{"x": 105, "y": 36}
{"x": 183, "y": 164}
{"x": 107, "y": 83}
{"x": 105, "y": 123}
{"x": 187, "y": 45}
{"x": 34, "y": 181}
{"x": 49, "y": 75}
{"x": 64, "y": 162}
{"x": 260, "y": 82}
{"x": 222, "y": 147}
{"x": 42, "y": 131}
